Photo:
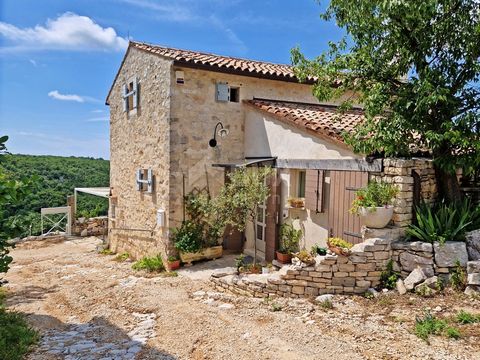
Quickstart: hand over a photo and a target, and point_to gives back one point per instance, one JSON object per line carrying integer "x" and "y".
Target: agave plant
{"x": 444, "y": 222}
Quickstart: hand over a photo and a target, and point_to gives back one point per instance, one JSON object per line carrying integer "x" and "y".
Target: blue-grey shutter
{"x": 124, "y": 97}
{"x": 222, "y": 92}
{"x": 150, "y": 180}
{"x": 135, "y": 93}
{"x": 139, "y": 179}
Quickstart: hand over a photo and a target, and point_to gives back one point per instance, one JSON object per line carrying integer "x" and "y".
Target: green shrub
{"x": 149, "y": 264}
{"x": 429, "y": 325}
{"x": 376, "y": 194}
{"x": 464, "y": 317}
{"x": 276, "y": 307}
{"x": 443, "y": 222}
{"x": 289, "y": 239}
{"x": 453, "y": 333}
{"x": 106, "y": 252}
{"x": 188, "y": 237}
{"x": 326, "y": 304}
{"x": 16, "y": 336}
{"x": 388, "y": 278}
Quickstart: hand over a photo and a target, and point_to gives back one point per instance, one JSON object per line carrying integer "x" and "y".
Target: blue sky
{"x": 58, "y": 58}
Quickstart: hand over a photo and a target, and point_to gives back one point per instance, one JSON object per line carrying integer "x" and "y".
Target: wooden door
{"x": 342, "y": 191}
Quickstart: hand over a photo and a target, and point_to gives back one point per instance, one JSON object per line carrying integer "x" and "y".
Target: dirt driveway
{"x": 88, "y": 306}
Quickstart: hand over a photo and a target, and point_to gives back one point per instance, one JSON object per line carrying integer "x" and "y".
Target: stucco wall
{"x": 139, "y": 139}
{"x": 266, "y": 136}
{"x": 195, "y": 112}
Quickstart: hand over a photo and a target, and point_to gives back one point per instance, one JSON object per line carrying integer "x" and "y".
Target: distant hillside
{"x": 58, "y": 176}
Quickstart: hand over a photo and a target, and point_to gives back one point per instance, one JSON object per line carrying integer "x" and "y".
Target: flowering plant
{"x": 376, "y": 194}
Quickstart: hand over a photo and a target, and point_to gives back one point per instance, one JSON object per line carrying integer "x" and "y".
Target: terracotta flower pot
{"x": 284, "y": 258}
{"x": 173, "y": 265}
{"x": 376, "y": 218}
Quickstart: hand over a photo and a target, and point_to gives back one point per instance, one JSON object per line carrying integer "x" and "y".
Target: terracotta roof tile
{"x": 219, "y": 62}
{"x": 321, "y": 119}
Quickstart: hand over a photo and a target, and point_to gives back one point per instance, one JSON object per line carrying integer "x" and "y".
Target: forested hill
{"x": 57, "y": 177}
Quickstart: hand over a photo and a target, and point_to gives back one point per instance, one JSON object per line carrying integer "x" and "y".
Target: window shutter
{"x": 125, "y": 98}
{"x": 135, "y": 93}
{"x": 222, "y": 92}
{"x": 150, "y": 180}
{"x": 139, "y": 179}
{"x": 314, "y": 190}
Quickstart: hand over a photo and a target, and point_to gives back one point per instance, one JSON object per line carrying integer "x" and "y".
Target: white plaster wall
{"x": 266, "y": 136}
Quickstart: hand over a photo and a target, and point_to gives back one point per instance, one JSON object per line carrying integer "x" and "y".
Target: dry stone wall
{"x": 91, "y": 226}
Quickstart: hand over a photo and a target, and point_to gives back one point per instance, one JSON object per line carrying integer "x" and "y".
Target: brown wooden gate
{"x": 342, "y": 191}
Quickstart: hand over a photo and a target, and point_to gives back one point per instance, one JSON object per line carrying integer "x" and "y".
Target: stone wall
{"x": 90, "y": 227}
{"x": 331, "y": 274}
{"x": 399, "y": 172}
{"x": 139, "y": 139}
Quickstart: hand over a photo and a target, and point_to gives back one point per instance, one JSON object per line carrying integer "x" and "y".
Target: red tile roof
{"x": 221, "y": 63}
{"x": 323, "y": 120}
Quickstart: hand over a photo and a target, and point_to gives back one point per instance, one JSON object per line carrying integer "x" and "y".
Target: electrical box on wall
{"x": 161, "y": 217}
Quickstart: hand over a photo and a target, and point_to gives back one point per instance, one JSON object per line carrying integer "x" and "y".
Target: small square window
{"x": 130, "y": 95}
{"x": 234, "y": 94}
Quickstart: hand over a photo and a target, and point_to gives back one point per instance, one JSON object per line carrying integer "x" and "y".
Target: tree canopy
{"x": 414, "y": 65}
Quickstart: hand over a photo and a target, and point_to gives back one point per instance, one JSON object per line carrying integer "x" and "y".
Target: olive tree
{"x": 414, "y": 66}
{"x": 240, "y": 197}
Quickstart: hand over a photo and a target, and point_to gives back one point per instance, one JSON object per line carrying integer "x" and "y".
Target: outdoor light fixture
{"x": 222, "y": 132}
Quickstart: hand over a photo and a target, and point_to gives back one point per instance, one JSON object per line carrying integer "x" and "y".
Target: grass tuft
{"x": 464, "y": 317}
{"x": 149, "y": 264}
{"x": 122, "y": 257}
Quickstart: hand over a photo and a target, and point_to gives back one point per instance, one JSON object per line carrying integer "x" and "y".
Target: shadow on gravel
{"x": 28, "y": 294}
{"x": 96, "y": 339}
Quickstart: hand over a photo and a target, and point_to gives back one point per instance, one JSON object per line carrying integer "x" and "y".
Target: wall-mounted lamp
{"x": 222, "y": 132}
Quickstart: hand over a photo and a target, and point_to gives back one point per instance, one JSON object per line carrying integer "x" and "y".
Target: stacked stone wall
{"x": 90, "y": 227}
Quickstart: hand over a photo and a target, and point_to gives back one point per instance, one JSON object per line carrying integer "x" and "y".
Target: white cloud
{"x": 98, "y": 111}
{"x": 98, "y": 119}
{"x": 173, "y": 11}
{"x": 65, "y": 97}
{"x": 33, "y": 62}
{"x": 67, "y": 32}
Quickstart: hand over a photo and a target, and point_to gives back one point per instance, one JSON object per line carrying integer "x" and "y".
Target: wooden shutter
{"x": 135, "y": 93}
{"x": 125, "y": 98}
{"x": 222, "y": 93}
{"x": 314, "y": 190}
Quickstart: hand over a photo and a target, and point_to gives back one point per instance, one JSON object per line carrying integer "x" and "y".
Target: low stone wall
{"x": 331, "y": 274}
{"x": 473, "y": 277}
{"x": 434, "y": 259}
{"x": 90, "y": 227}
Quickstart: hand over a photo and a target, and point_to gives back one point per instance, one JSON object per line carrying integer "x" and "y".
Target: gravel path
{"x": 88, "y": 306}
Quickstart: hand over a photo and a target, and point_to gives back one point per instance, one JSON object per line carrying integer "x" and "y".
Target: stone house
{"x": 167, "y": 104}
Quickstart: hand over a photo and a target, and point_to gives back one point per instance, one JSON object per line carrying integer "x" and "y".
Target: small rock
{"x": 324, "y": 298}
{"x": 472, "y": 290}
{"x": 472, "y": 240}
{"x": 416, "y": 277}
{"x": 199, "y": 293}
{"x": 246, "y": 335}
{"x": 373, "y": 292}
{"x": 208, "y": 301}
{"x": 437, "y": 309}
{"x": 84, "y": 233}
{"x": 448, "y": 254}
{"x": 226, "y": 306}
{"x": 310, "y": 322}
{"x": 402, "y": 290}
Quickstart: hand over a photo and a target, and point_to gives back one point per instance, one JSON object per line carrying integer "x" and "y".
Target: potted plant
{"x": 296, "y": 203}
{"x": 339, "y": 246}
{"x": 305, "y": 257}
{"x": 173, "y": 263}
{"x": 374, "y": 204}
{"x": 289, "y": 240}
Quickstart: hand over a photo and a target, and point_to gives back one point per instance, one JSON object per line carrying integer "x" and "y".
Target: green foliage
{"x": 172, "y": 258}
{"x": 57, "y": 177}
{"x": 429, "y": 325}
{"x": 376, "y": 194}
{"x": 289, "y": 238}
{"x": 305, "y": 257}
{"x": 149, "y": 264}
{"x": 414, "y": 66}
{"x": 464, "y": 317}
{"x": 326, "y": 304}
{"x": 276, "y": 307}
{"x": 205, "y": 212}
{"x": 122, "y": 257}
{"x": 106, "y": 252}
{"x": 458, "y": 277}
{"x": 240, "y": 261}
{"x": 452, "y": 333}
{"x": 389, "y": 277}
{"x": 338, "y": 242}
{"x": 318, "y": 250}
{"x": 16, "y": 336}
{"x": 445, "y": 222}
{"x": 188, "y": 237}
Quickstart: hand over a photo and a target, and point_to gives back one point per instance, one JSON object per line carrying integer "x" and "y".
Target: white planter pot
{"x": 376, "y": 218}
